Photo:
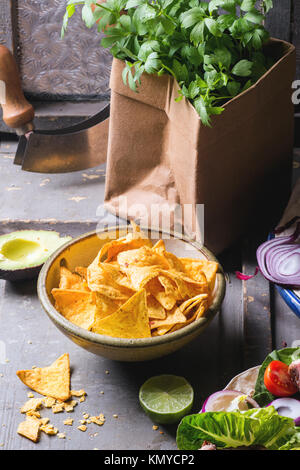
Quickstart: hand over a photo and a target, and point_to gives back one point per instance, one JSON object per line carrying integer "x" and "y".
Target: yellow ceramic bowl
{"x": 80, "y": 252}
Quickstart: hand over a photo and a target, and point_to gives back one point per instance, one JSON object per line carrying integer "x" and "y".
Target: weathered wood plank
{"x": 278, "y": 20}
{"x": 296, "y": 34}
{"x": 257, "y": 309}
{"x": 285, "y": 322}
{"x": 231, "y": 321}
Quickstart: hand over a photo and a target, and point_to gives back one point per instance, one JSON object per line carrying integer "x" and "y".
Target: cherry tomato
{"x": 278, "y": 381}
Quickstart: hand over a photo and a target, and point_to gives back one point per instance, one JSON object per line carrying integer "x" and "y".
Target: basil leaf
{"x": 243, "y": 68}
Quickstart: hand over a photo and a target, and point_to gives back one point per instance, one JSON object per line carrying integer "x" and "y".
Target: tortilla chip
{"x": 105, "y": 306}
{"x": 130, "y": 321}
{"x": 173, "y": 317}
{"x": 191, "y": 310}
{"x": 79, "y": 307}
{"x": 190, "y": 304}
{"x": 113, "y": 269}
{"x": 69, "y": 280}
{"x": 100, "y": 280}
{"x": 30, "y": 429}
{"x": 195, "y": 267}
{"x": 132, "y": 240}
{"x": 159, "y": 247}
{"x": 172, "y": 260}
{"x": 33, "y": 404}
{"x": 143, "y": 256}
{"x": 155, "y": 309}
{"x": 166, "y": 298}
{"x": 188, "y": 287}
{"x": 162, "y": 330}
{"x": 82, "y": 272}
{"x": 52, "y": 381}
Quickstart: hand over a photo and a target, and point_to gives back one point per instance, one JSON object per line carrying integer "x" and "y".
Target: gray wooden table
{"x": 253, "y": 321}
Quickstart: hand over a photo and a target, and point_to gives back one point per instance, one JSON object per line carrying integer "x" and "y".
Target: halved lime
{"x": 166, "y": 398}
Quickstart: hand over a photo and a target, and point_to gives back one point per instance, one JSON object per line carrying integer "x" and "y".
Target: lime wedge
{"x": 166, "y": 398}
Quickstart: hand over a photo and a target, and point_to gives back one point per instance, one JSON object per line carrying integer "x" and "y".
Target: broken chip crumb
{"x": 78, "y": 393}
{"x": 30, "y": 429}
{"x": 34, "y": 414}
{"x": 82, "y": 421}
{"x": 161, "y": 432}
{"x": 99, "y": 420}
{"x": 154, "y": 427}
{"x": 49, "y": 402}
{"x": 85, "y": 415}
{"x": 82, "y": 399}
{"x": 44, "y": 421}
{"x": 49, "y": 429}
{"x": 33, "y": 404}
{"x": 102, "y": 393}
{"x": 115, "y": 416}
{"x": 58, "y": 408}
{"x": 30, "y": 395}
{"x": 107, "y": 371}
{"x": 82, "y": 427}
{"x": 61, "y": 435}
{"x": 70, "y": 405}
{"x": 68, "y": 422}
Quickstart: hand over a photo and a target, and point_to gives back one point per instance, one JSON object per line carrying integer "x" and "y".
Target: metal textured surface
{"x": 6, "y": 23}
{"x": 52, "y": 67}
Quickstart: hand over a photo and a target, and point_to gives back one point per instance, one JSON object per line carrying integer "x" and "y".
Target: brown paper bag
{"x": 160, "y": 155}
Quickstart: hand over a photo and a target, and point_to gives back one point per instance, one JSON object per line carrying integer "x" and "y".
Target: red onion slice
{"x": 289, "y": 407}
{"x": 279, "y": 259}
{"x": 228, "y": 400}
{"x": 246, "y": 277}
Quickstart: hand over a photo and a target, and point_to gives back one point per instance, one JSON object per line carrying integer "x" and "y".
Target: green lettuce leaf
{"x": 286, "y": 355}
{"x": 259, "y": 426}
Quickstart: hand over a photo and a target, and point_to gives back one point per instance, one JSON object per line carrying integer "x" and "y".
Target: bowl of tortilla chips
{"x": 131, "y": 294}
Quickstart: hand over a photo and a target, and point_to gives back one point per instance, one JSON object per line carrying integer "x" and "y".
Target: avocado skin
{"x": 32, "y": 272}
{"x": 15, "y": 275}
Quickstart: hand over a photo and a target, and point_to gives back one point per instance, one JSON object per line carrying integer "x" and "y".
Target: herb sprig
{"x": 213, "y": 49}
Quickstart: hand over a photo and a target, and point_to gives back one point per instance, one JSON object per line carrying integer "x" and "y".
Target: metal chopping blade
{"x": 78, "y": 147}
{"x": 75, "y": 148}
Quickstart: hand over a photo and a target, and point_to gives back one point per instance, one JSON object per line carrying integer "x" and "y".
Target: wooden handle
{"x": 17, "y": 112}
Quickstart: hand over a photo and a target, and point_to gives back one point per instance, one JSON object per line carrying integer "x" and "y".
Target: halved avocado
{"x": 23, "y": 253}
